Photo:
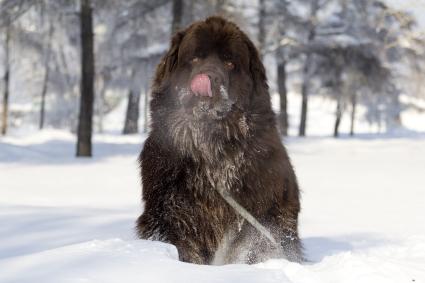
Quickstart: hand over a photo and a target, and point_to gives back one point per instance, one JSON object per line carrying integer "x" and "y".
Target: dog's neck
{"x": 209, "y": 142}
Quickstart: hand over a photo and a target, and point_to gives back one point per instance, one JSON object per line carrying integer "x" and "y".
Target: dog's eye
{"x": 229, "y": 65}
{"x": 194, "y": 60}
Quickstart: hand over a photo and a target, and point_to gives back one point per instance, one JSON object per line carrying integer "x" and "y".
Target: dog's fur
{"x": 230, "y": 139}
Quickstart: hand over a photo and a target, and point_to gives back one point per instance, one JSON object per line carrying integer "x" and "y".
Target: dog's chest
{"x": 224, "y": 222}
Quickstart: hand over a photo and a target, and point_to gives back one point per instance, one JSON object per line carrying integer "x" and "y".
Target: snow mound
{"x": 116, "y": 260}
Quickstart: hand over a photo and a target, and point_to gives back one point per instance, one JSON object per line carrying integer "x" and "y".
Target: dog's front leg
{"x": 174, "y": 226}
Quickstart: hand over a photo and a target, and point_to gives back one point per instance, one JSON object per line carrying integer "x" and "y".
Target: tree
{"x": 353, "y": 113}
{"x": 135, "y": 32}
{"x": 281, "y": 86}
{"x": 146, "y": 109}
{"x": 46, "y": 75}
{"x": 6, "y": 78}
{"x": 307, "y": 69}
{"x": 85, "y": 120}
{"x": 132, "y": 113}
{"x": 338, "y": 88}
{"x": 135, "y": 60}
{"x": 178, "y": 8}
{"x": 264, "y": 15}
{"x": 275, "y": 21}
{"x": 261, "y": 27}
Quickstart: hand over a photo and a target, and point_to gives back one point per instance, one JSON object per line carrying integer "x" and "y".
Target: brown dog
{"x": 212, "y": 125}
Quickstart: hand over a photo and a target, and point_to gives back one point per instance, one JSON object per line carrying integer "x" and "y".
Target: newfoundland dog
{"x": 213, "y": 129}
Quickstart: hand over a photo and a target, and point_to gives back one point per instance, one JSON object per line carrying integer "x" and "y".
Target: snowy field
{"x": 71, "y": 220}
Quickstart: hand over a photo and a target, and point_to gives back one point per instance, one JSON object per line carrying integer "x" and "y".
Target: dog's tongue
{"x": 201, "y": 85}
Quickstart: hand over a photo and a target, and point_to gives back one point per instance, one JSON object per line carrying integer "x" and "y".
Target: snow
{"x": 321, "y": 118}
{"x": 72, "y": 220}
{"x": 415, "y": 7}
{"x": 65, "y": 219}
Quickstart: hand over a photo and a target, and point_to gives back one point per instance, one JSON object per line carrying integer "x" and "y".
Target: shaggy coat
{"x": 221, "y": 132}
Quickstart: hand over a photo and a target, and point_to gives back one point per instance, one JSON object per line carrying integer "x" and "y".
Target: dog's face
{"x": 213, "y": 72}
{"x": 211, "y": 69}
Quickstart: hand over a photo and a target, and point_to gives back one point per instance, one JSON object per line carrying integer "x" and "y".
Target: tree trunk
{"x": 146, "y": 110}
{"x": 281, "y": 83}
{"x": 46, "y": 77}
{"x": 314, "y": 6}
{"x": 177, "y": 15}
{"x": 304, "y": 107}
{"x": 132, "y": 114}
{"x": 261, "y": 27}
{"x": 304, "y": 95}
{"x": 396, "y": 119}
{"x": 43, "y": 97}
{"x": 101, "y": 105}
{"x": 338, "y": 116}
{"x": 85, "y": 119}
{"x": 6, "y": 79}
{"x": 353, "y": 113}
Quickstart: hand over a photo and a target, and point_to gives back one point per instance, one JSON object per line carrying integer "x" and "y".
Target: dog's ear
{"x": 256, "y": 68}
{"x": 169, "y": 61}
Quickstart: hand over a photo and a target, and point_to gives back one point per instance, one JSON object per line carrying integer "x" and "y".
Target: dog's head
{"x": 210, "y": 70}
{"x": 210, "y": 91}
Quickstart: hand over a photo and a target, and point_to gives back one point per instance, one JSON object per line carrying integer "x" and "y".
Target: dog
{"x": 213, "y": 129}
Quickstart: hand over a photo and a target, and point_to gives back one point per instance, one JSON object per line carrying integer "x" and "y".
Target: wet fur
{"x": 184, "y": 158}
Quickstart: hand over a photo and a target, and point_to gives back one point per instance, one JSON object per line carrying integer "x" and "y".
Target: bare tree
{"x": 338, "y": 113}
{"x": 281, "y": 85}
{"x": 281, "y": 21}
{"x": 146, "y": 108}
{"x": 85, "y": 120}
{"x": 46, "y": 76}
{"x": 353, "y": 113}
{"x": 178, "y": 8}
{"x": 339, "y": 90}
{"x": 102, "y": 85}
{"x": 307, "y": 70}
{"x": 6, "y": 78}
{"x": 132, "y": 113}
{"x": 261, "y": 27}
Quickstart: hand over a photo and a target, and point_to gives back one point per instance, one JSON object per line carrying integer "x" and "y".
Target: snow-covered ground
{"x": 64, "y": 219}
{"x": 71, "y": 220}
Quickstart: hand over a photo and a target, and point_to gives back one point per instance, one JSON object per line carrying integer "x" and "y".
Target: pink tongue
{"x": 201, "y": 85}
